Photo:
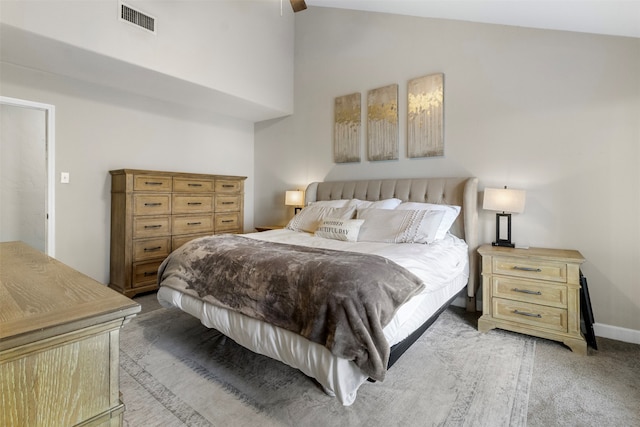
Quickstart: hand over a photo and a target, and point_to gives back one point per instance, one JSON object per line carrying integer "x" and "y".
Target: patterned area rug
{"x": 176, "y": 372}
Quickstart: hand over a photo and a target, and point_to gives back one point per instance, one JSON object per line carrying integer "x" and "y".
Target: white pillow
{"x": 379, "y": 204}
{"x": 309, "y": 218}
{"x": 331, "y": 203}
{"x": 340, "y": 229}
{"x": 451, "y": 212}
{"x": 399, "y": 226}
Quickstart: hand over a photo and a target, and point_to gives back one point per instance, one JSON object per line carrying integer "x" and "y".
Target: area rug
{"x": 176, "y": 372}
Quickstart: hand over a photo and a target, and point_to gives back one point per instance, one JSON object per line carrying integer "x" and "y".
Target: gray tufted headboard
{"x": 450, "y": 191}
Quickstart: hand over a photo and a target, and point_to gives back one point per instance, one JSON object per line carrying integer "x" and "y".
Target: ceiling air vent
{"x": 137, "y": 18}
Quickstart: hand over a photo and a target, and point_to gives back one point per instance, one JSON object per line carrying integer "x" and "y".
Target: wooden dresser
{"x": 533, "y": 291}
{"x": 153, "y": 213}
{"x": 59, "y": 343}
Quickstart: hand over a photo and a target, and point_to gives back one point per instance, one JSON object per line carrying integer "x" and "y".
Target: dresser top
{"x": 564, "y": 255}
{"x": 176, "y": 174}
{"x": 42, "y": 297}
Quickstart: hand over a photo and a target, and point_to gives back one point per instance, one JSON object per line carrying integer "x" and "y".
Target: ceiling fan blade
{"x": 298, "y": 5}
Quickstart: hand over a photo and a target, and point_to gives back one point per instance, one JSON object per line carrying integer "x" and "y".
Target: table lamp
{"x": 506, "y": 201}
{"x": 294, "y": 198}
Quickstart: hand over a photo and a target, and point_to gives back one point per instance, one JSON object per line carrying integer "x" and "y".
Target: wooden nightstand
{"x": 533, "y": 291}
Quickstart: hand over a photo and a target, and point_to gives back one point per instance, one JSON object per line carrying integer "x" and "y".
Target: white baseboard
{"x": 616, "y": 333}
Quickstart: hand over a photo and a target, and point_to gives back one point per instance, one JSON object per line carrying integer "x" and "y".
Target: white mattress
{"x": 443, "y": 267}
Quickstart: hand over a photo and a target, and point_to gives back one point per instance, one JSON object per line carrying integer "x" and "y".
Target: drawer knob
{"x": 524, "y": 313}
{"x": 517, "y": 267}
{"x": 527, "y": 291}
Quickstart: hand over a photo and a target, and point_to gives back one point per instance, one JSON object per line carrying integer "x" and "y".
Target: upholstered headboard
{"x": 449, "y": 191}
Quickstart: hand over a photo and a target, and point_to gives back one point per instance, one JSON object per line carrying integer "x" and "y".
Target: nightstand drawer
{"x": 533, "y": 269}
{"x": 538, "y": 316}
{"x": 530, "y": 291}
{"x": 151, "y": 226}
{"x": 191, "y": 203}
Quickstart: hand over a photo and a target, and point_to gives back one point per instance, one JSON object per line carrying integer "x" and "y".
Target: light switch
{"x": 64, "y": 177}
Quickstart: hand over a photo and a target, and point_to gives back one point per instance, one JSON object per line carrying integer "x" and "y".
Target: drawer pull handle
{"x": 153, "y": 249}
{"x": 227, "y": 185}
{"x": 153, "y": 204}
{"x": 194, "y": 203}
{"x": 524, "y": 313}
{"x": 152, "y": 226}
{"x": 228, "y": 203}
{"x": 527, "y": 291}
{"x": 228, "y": 220}
{"x": 152, "y": 183}
{"x": 537, "y": 270}
{"x": 194, "y": 185}
{"x": 194, "y": 223}
{"x": 150, "y": 273}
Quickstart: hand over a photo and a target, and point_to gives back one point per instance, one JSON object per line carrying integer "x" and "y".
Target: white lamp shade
{"x": 294, "y": 198}
{"x": 504, "y": 200}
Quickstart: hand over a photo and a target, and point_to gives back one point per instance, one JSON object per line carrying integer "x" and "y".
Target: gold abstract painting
{"x": 347, "y": 128}
{"x": 382, "y": 123}
{"x": 425, "y": 130}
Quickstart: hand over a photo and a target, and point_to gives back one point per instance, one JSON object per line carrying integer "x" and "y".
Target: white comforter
{"x": 442, "y": 265}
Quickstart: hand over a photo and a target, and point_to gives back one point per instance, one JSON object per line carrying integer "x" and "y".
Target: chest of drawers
{"x": 533, "y": 291}
{"x": 154, "y": 213}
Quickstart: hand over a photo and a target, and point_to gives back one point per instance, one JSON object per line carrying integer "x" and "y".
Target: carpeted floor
{"x": 602, "y": 389}
{"x": 176, "y": 372}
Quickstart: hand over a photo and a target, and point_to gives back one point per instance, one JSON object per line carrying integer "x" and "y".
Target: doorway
{"x": 27, "y": 173}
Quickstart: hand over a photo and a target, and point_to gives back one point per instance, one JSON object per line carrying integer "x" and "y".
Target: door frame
{"x": 50, "y": 135}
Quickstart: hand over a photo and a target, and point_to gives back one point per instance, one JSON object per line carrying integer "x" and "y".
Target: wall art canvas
{"x": 347, "y": 128}
{"x": 425, "y": 124}
{"x": 382, "y": 123}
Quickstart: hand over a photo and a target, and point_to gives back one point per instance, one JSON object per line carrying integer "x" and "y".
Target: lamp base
{"x": 504, "y": 244}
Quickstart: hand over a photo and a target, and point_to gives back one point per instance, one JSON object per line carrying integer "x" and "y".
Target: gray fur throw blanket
{"x": 338, "y": 299}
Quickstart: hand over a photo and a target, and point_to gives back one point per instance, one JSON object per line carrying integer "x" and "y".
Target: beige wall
{"x": 554, "y": 113}
{"x": 99, "y": 129}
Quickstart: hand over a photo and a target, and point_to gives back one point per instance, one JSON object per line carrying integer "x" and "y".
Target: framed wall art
{"x": 347, "y": 128}
{"x": 382, "y": 123}
{"x": 425, "y": 114}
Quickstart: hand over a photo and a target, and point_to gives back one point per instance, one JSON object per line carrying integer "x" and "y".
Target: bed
{"x": 436, "y": 274}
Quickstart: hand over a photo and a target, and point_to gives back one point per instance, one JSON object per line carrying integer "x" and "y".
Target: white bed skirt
{"x": 339, "y": 377}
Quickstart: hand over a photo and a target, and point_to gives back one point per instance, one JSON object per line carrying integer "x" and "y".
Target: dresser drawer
{"x": 192, "y": 224}
{"x": 224, "y": 186}
{"x": 228, "y": 203}
{"x": 534, "y": 269}
{"x": 151, "y": 226}
{"x": 178, "y": 241}
{"x": 193, "y": 185}
{"x": 228, "y": 222}
{"x": 151, "y": 248}
{"x": 190, "y": 203}
{"x": 538, "y": 316}
{"x": 151, "y": 204}
{"x": 152, "y": 183}
{"x": 145, "y": 273}
{"x": 529, "y": 291}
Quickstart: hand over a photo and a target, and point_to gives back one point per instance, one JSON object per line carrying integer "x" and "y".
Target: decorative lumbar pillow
{"x": 451, "y": 212}
{"x": 378, "y": 204}
{"x": 309, "y": 218}
{"x": 340, "y": 229}
{"x": 399, "y": 226}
